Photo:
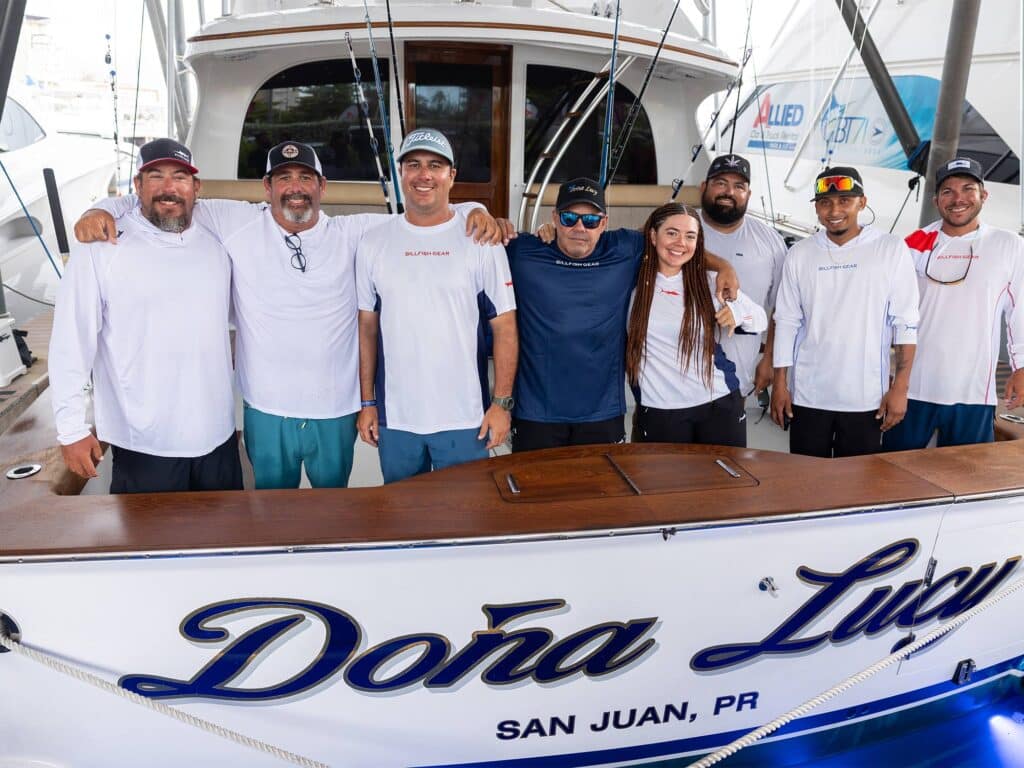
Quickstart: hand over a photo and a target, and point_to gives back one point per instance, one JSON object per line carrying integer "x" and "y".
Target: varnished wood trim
{"x": 454, "y": 25}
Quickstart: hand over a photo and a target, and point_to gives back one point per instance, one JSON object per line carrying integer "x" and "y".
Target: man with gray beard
{"x": 147, "y": 321}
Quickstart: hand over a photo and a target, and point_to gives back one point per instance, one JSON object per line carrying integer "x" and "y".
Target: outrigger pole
{"x": 383, "y": 112}
{"x": 610, "y": 104}
{"x": 394, "y": 70}
{"x": 365, "y": 109}
{"x": 634, "y": 109}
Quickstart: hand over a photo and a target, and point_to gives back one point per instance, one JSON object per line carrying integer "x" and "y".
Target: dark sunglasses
{"x": 294, "y": 243}
{"x": 590, "y": 220}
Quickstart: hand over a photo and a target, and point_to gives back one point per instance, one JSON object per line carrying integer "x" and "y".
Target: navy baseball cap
{"x": 581, "y": 190}
{"x": 165, "y": 151}
{"x": 729, "y": 164}
{"x": 960, "y": 166}
{"x": 293, "y": 153}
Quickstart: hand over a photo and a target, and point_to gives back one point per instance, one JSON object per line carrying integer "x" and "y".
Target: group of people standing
{"x": 383, "y": 325}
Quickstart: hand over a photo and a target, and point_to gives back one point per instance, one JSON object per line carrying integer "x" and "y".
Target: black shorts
{"x": 534, "y": 435}
{"x": 720, "y": 422}
{"x": 831, "y": 434}
{"x": 219, "y": 470}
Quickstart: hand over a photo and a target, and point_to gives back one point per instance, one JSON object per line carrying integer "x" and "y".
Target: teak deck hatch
{"x": 608, "y": 475}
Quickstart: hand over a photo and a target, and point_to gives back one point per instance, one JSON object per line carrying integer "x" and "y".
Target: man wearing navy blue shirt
{"x": 573, "y": 296}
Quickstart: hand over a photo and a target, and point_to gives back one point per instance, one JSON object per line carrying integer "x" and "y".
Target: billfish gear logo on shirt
{"x": 428, "y": 253}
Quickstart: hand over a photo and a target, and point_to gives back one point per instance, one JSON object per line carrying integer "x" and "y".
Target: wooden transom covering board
{"x": 604, "y": 475}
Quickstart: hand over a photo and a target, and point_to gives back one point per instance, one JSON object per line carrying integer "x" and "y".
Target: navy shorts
{"x": 958, "y": 424}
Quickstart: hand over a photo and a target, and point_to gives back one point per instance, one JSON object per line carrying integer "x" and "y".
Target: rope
{"x": 156, "y": 706}
{"x": 745, "y": 741}
{"x": 912, "y": 184}
{"x": 138, "y": 80}
{"x": 31, "y": 221}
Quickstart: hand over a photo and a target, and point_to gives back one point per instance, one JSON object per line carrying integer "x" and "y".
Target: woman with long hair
{"x": 685, "y": 387}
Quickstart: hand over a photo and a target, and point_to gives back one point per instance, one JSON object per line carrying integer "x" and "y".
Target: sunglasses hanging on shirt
{"x": 928, "y": 267}
{"x": 294, "y": 243}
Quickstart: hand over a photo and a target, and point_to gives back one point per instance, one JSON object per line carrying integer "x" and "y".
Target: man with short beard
{"x": 147, "y": 322}
{"x": 756, "y": 252}
{"x": 970, "y": 275}
{"x": 294, "y": 301}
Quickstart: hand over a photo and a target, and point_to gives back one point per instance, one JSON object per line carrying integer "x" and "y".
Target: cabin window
{"x": 17, "y": 128}
{"x": 550, "y": 92}
{"x": 316, "y": 103}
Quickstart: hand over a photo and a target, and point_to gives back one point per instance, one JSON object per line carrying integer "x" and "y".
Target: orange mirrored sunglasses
{"x": 835, "y": 183}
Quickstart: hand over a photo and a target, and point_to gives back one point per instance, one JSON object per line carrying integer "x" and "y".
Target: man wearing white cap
{"x": 427, "y": 293}
{"x": 293, "y": 292}
{"x": 970, "y": 276}
{"x": 147, "y": 321}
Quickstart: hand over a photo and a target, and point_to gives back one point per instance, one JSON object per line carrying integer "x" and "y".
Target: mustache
{"x": 169, "y": 199}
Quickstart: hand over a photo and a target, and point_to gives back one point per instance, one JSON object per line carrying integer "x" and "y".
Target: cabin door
{"x": 463, "y": 91}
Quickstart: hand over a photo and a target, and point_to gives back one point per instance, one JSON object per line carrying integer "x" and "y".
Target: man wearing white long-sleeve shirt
{"x": 846, "y": 294}
{"x": 147, "y": 320}
{"x": 970, "y": 275}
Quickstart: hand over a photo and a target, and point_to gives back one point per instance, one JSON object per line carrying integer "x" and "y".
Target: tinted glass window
{"x": 17, "y": 128}
{"x": 318, "y": 104}
{"x": 550, "y": 92}
{"x": 458, "y": 101}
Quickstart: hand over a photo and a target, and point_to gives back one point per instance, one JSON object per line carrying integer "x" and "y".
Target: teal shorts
{"x": 278, "y": 446}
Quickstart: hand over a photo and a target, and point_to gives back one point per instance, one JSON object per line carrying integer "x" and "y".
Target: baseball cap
{"x": 960, "y": 166}
{"x": 163, "y": 151}
{"x": 729, "y": 164}
{"x": 293, "y": 153}
{"x": 581, "y": 190}
{"x": 842, "y": 181}
{"x": 428, "y": 140}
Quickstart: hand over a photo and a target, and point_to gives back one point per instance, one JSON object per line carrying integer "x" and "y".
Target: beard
{"x": 722, "y": 214}
{"x": 297, "y": 217}
{"x": 169, "y": 222}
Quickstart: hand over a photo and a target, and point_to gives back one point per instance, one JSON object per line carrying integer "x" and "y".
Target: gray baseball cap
{"x": 427, "y": 140}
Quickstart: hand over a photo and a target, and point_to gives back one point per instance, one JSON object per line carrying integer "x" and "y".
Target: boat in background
{"x": 797, "y": 118}
{"x": 84, "y": 167}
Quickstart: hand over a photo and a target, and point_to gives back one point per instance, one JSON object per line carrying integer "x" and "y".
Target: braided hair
{"x": 698, "y": 324}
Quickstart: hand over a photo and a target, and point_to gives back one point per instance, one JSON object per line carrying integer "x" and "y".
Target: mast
{"x": 963, "y": 24}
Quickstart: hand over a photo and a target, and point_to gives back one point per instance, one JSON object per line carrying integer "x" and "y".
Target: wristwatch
{"x": 505, "y": 403}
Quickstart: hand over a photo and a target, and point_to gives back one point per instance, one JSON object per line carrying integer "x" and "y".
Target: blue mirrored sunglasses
{"x": 590, "y": 220}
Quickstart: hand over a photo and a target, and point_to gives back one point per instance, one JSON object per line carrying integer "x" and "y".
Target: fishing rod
{"x": 739, "y": 75}
{"x": 383, "y": 111}
{"x": 610, "y": 104}
{"x": 113, "y": 89}
{"x": 365, "y": 109}
{"x": 634, "y": 109}
{"x": 394, "y": 69}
